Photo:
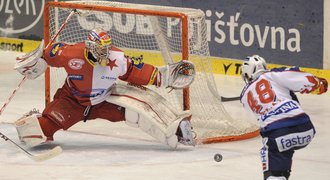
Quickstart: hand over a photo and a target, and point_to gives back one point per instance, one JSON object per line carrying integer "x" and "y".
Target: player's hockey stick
{"x": 36, "y": 157}
{"x": 226, "y": 99}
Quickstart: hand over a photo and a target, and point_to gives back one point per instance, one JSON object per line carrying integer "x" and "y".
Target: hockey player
{"x": 284, "y": 126}
{"x": 93, "y": 68}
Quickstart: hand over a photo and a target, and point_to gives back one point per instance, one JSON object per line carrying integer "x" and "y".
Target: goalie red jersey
{"x": 89, "y": 82}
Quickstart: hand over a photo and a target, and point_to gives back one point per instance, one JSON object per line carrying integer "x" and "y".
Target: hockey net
{"x": 159, "y": 35}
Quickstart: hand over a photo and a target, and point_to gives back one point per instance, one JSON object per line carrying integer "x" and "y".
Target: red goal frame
{"x": 184, "y": 51}
{"x": 184, "y": 40}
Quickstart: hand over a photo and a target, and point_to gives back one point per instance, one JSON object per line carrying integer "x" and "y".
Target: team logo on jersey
{"x": 54, "y": 49}
{"x": 137, "y": 61}
{"x": 76, "y": 63}
{"x": 112, "y": 63}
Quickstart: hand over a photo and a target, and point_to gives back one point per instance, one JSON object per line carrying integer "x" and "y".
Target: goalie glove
{"x": 177, "y": 75}
{"x": 32, "y": 65}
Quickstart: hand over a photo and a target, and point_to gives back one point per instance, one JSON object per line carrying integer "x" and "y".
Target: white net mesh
{"x": 158, "y": 38}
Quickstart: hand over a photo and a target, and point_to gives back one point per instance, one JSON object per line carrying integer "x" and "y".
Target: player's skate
{"x": 185, "y": 134}
{"x": 29, "y": 130}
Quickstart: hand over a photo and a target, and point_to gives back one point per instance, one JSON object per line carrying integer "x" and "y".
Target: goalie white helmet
{"x": 99, "y": 43}
{"x": 252, "y": 67}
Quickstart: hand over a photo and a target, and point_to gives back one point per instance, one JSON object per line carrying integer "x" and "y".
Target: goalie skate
{"x": 185, "y": 133}
{"x": 30, "y": 113}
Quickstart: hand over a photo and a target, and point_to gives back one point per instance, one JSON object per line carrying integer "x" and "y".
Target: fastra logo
{"x": 289, "y": 141}
{"x": 17, "y": 16}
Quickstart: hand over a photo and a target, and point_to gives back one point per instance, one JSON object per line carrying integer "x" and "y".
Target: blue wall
{"x": 284, "y": 32}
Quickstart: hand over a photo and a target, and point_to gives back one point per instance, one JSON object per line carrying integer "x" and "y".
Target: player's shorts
{"x": 65, "y": 111}
{"x": 280, "y": 144}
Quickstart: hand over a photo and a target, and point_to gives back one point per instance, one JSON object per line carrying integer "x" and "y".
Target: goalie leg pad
{"x": 29, "y": 130}
{"x": 177, "y": 131}
{"x": 132, "y": 118}
{"x": 146, "y": 124}
{"x": 150, "y": 112}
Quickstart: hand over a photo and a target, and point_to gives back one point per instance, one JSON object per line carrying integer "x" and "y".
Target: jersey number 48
{"x": 265, "y": 95}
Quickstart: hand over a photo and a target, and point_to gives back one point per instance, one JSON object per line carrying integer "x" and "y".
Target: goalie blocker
{"x": 32, "y": 65}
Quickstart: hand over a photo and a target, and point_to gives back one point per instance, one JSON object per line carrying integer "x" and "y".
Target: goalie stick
{"x": 36, "y": 157}
{"x": 24, "y": 57}
{"x": 12, "y": 95}
{"x": 57, "y": 150}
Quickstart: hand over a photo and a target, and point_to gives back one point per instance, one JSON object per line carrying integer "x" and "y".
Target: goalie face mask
{"x": 99, "y": 43}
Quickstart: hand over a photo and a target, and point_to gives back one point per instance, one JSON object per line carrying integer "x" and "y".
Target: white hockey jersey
{"x": 270, "y": 97}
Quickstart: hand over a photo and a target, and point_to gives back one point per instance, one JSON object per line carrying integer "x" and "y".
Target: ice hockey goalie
{"x": 92, "y": 91}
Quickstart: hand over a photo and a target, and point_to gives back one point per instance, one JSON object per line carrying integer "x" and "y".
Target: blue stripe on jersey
{"x": 286, "y": 122}
{"x": 280, "y": 69}
{"x": 283, "y": 108}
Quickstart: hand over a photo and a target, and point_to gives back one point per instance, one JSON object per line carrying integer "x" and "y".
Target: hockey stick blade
{"x": 36, "y": 157}
{"x": 226, "y": 99}
{"x": 46, "y": 155}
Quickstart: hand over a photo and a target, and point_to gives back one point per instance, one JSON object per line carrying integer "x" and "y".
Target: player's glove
{"x": 322, "y": 86}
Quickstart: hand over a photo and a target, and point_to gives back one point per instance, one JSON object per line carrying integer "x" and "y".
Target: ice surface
{"x": 125, "y": 153}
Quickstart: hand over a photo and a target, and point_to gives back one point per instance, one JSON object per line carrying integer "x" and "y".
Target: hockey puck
{"x": 218, "y": 157}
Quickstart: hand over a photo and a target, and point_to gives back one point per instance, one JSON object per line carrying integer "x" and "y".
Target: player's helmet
{"x": 99, "y": 44}
{"x": 252, "y": 67}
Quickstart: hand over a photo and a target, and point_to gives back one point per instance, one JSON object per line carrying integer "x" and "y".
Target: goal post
{"x": 159, "y": 35}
